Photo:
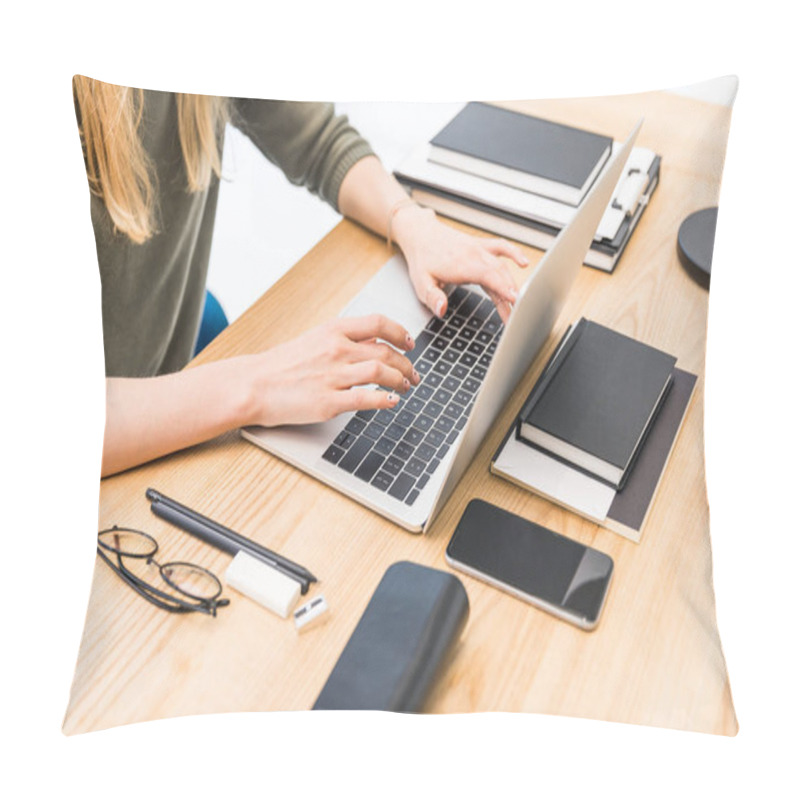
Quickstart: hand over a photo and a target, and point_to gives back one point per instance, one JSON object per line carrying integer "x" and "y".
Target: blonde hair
{"x": 117, "y": 165}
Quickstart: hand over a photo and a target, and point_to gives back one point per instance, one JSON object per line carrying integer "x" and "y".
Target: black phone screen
{"x": 532, "y": 559}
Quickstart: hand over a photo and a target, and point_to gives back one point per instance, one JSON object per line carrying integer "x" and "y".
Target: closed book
{"x": 529, "y": 153}
{"x": 594, "y": 404}
{"x": 401, "y": 643}
{"x": 624, "y": 512}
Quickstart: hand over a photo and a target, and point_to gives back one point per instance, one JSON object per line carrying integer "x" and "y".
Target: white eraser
{"x": 310, "y": 612}
{"x": 262, "y": 583}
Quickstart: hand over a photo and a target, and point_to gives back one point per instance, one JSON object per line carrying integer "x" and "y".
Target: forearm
{"x": 149, "y": 417}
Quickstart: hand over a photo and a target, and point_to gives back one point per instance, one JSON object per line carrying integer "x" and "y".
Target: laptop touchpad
{"x": 390, "y": 293}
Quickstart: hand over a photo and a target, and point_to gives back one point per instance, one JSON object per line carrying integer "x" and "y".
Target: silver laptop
{"x": 404, "y": 463}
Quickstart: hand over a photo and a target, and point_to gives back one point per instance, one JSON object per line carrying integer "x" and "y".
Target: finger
{"x": 388, "y": 355}
{"x": 504, "y": 310}
{"x": 367, "y": 372}
{"x": 431, "y": 294}
{"x": 502, "y": 306}
{"x": 376, "y": 326}
{"x": 359, "y": 398}
{"x": 500, "y": 247}
{"x": 497, "y": 279}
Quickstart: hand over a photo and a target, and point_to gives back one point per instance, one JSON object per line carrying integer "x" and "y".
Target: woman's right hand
{"x": 326, "y": 371}
{"x": 314, "y": 377}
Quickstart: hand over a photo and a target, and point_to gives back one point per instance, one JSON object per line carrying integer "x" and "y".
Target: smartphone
{"x": 533, "y": 563}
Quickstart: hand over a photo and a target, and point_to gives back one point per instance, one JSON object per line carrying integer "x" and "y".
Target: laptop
{"x": 405, "y": 462}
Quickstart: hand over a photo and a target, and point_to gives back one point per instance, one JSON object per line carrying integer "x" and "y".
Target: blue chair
{"x": 212, "y": 324}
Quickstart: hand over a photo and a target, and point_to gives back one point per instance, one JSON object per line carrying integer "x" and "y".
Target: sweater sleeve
{"x": 313, "y": 146}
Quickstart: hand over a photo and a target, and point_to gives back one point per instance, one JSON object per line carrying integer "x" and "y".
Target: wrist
{"x": 243, "y": 394}
{"x": 407, "y": 222}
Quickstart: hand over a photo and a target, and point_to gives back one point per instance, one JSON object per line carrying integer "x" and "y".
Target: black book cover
{"x": 599, "y": 394}
{"x": 631, "y": 504}
{"x": 620, "y": 484}
{"x": 549, "y": 150}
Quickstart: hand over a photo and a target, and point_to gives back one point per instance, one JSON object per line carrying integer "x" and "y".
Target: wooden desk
{"x": 655, "y": 657}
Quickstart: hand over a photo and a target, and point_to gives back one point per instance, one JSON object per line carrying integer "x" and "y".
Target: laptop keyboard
{"x": 397, "y": 450}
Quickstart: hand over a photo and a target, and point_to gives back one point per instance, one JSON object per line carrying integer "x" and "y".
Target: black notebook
{"x": 596, "y": 400}
{"x": 539, "y": 156}
{"x": 626, "y": 511}
{"x": 401, "y": 642}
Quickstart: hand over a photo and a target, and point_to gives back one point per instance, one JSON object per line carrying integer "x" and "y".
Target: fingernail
{"x": 440, "y": 308}
{"x": 406, "y": 384}
{"x": 525, "y": 261}
{"x": 392, "y": 398}
{"x": 415, "y": 375}
{"x": 514, "y": 295}
{"x": 409, "y": 341}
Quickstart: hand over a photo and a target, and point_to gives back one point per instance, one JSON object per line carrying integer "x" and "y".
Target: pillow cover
{"x": 656, "y": 656}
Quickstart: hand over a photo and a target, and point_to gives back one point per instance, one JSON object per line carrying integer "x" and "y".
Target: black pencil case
{"x": 401, "y": 642}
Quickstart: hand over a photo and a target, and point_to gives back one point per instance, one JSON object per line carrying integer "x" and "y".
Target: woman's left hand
{"x": 438, "y": 254}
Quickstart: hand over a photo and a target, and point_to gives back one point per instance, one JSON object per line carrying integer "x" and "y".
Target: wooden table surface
{"x": 655, "y": 657}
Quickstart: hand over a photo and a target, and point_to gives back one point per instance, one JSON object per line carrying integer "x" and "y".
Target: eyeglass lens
{"x": 135, "y": 544}
{"x": 135, "y": 550}
{"x": 191, "y": 580}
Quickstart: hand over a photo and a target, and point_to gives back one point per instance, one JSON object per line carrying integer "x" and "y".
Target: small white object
{"x": 310, "y": 612}
{"x": 262, "y": 583}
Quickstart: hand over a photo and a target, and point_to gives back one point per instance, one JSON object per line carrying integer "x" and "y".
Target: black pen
{"x": 223, "y": 538}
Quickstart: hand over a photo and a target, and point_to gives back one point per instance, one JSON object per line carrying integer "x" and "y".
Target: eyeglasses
{"x": 182, "y": 588}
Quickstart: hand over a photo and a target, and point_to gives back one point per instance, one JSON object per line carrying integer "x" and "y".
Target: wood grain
{"x": 655, "y": 658}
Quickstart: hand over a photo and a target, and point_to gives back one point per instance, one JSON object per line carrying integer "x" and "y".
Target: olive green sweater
{"x": 153, "y": 293}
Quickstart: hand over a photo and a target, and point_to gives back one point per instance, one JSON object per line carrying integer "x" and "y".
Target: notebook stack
{"x": 523, "y": 177}
{"x": 597, "y": 429}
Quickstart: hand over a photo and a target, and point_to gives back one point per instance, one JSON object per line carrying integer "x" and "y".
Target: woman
{"x": 153, "y": 163}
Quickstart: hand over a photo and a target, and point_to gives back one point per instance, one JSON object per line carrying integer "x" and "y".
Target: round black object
{"x": 696, "y": 244}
